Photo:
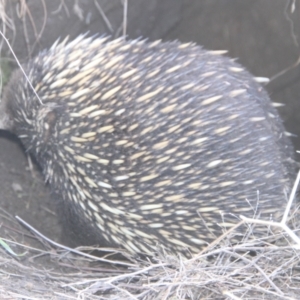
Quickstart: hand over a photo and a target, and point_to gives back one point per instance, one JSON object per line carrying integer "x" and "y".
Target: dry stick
{"x": 229, "y": 294}
{"x": 250, "y": 287}
{"x": 25, "y": 31}
{"x": 62, "y": 4}
{"x": 38, "y": 35}
{"x": 105, "y": 19}
{"x": 291, "y": 199}
{"x": 110, "y": 280}
{"x": 109, "y": 287}
{"x": 125, "y": 11}
{"x": 20, "y": 66}
{"x": 293, "y": 66}
{"x": 276, "y": 224}
{"x": 291, "y": 6}
{"x": 5, "y": 22}
{"x": 235, "y": 282}
{"x": 64, "y": 296}
{"x": 281, "y": 224}
{"x": 217, "y": 241}
{"x": 42, "y": 252}
{"x": 258, "y": 269}
{"x": 70, "y": 249}
{"x": 280, "y": 268}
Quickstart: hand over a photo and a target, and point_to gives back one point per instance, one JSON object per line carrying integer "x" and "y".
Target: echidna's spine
{"x": 150, "y": 143}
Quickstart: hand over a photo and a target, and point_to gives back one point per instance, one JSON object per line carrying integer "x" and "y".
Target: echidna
{"x": 150, "y": 143}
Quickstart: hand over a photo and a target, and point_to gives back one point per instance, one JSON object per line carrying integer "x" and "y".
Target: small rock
{"x": 16, "y": 187}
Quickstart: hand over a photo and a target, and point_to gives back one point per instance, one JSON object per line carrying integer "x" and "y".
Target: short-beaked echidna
{"x": 150, "y": 143}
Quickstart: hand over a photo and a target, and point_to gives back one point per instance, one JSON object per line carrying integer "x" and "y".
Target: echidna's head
{"x": 31, "y": 106}
{"x": 22, "y": 113}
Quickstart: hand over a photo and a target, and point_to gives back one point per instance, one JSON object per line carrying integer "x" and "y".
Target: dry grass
{"x": 265, "y": 268}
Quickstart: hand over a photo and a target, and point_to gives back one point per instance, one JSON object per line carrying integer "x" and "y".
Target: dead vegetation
{"x": 266, "y": 268}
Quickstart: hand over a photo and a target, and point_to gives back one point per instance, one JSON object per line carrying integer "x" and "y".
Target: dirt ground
{"x": 262, "y": 34}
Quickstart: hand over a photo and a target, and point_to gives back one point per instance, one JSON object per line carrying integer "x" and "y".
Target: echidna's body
{"x": 150, "y": 143}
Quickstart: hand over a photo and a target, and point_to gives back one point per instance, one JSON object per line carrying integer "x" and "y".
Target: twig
{"x": 20, "y": 66}
{"x": 114, "y": 262}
